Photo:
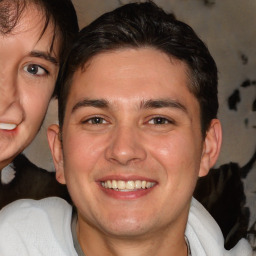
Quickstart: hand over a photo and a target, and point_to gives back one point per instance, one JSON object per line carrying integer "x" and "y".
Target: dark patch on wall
{"x": 209, "y": 2}
{"x": 254, "y": 105}
{"x": 233, "y": 100}
{"x": 246, "y": 83}
{"x": 244, "y": 58}
{"x": 246, "y": 122}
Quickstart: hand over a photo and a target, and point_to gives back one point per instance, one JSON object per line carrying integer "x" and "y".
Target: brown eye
{"x": 35, "y": 70}
{"x": 159, "y": 120}
{"x": 95, "y": 120}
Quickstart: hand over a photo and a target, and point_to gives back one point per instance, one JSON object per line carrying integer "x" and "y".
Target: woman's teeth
{"x": 127, "y": 185}
{"x": 9, "y": 127}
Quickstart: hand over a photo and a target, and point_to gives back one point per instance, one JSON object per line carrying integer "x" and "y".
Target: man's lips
{"x": 127, "y": 186}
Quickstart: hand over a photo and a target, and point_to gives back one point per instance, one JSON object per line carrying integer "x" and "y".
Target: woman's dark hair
{"x": 60, "y": 13}
{"x": 146, "y": 25}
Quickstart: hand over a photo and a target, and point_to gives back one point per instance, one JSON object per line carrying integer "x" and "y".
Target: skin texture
{"x": 28, "y": 71}
{"x": 145, "y": 125}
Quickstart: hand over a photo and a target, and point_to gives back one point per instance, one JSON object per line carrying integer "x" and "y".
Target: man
{"x": 137, "y": 113}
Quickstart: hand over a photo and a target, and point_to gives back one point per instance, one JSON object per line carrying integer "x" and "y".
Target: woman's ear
{"x": 211, "y": 147}
{"x": 54, "y": 140}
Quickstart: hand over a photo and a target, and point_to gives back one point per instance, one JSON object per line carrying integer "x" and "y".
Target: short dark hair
{"x": 61, "y": 13}
{"x": 147, "y": 25}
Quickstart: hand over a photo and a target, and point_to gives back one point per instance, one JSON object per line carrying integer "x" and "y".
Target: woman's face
{"x": 28, "y": 72}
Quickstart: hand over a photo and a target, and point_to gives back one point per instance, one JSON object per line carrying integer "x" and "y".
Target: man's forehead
{"x": 111, "y": 52}
{"x": 84, "y": 79}
{"x": 106, "y": 57}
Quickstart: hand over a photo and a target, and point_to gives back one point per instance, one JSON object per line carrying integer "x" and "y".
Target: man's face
{"x": 132, "y": 144}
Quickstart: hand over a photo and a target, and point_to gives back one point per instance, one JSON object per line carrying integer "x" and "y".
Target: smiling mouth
{"x": 8, "y": 127}
{"x": 126, "y": 186}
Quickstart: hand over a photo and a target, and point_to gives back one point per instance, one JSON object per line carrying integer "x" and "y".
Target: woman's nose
{"x": 8, "y": 92}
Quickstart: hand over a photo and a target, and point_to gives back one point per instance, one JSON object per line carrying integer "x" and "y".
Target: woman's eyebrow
{"x": 44, "y": 55}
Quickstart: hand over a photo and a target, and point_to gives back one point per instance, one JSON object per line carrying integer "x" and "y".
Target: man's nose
{"x": 125, "y": 146}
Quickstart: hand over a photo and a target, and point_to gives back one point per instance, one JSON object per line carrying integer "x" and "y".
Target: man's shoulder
{"x": 205, "y": 236}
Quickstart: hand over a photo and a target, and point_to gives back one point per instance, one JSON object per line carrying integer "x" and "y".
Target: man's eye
{"x": 35, "y": 70}
{"x": 159, "y": 120}
{"x": 95, "y": 120}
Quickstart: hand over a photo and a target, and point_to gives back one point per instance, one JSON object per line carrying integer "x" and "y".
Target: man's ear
{"x": 211, "y": 147}
{"x": 54, "y": 140}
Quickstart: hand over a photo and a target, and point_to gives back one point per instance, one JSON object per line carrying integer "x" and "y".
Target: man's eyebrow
{"x": 43, "y": 55}
{"x": 99, "y": 103}
{"x": 163, "y": 103}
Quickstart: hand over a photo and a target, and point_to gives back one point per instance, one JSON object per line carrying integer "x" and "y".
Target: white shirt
{"x": 43, "y": 228}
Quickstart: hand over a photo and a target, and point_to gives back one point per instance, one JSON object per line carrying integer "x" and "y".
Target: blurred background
{"x": 228, "y": 27}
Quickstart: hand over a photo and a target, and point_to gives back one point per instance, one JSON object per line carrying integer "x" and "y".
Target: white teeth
{"x": 109, "y": 184}
{"x": 114, "y": 184}
{"x": 149, "y": 185}
{"x": 127, "y": 185}
{"x": 120, "y": 184}
{"x": 138, "y": 184}
{"x": 8, "y": 127}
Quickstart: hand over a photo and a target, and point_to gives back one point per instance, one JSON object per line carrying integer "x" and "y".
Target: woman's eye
{"x": 35, "y": 70}
{"x": 159, "y": 120}
{"x": 95, "y": 120}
